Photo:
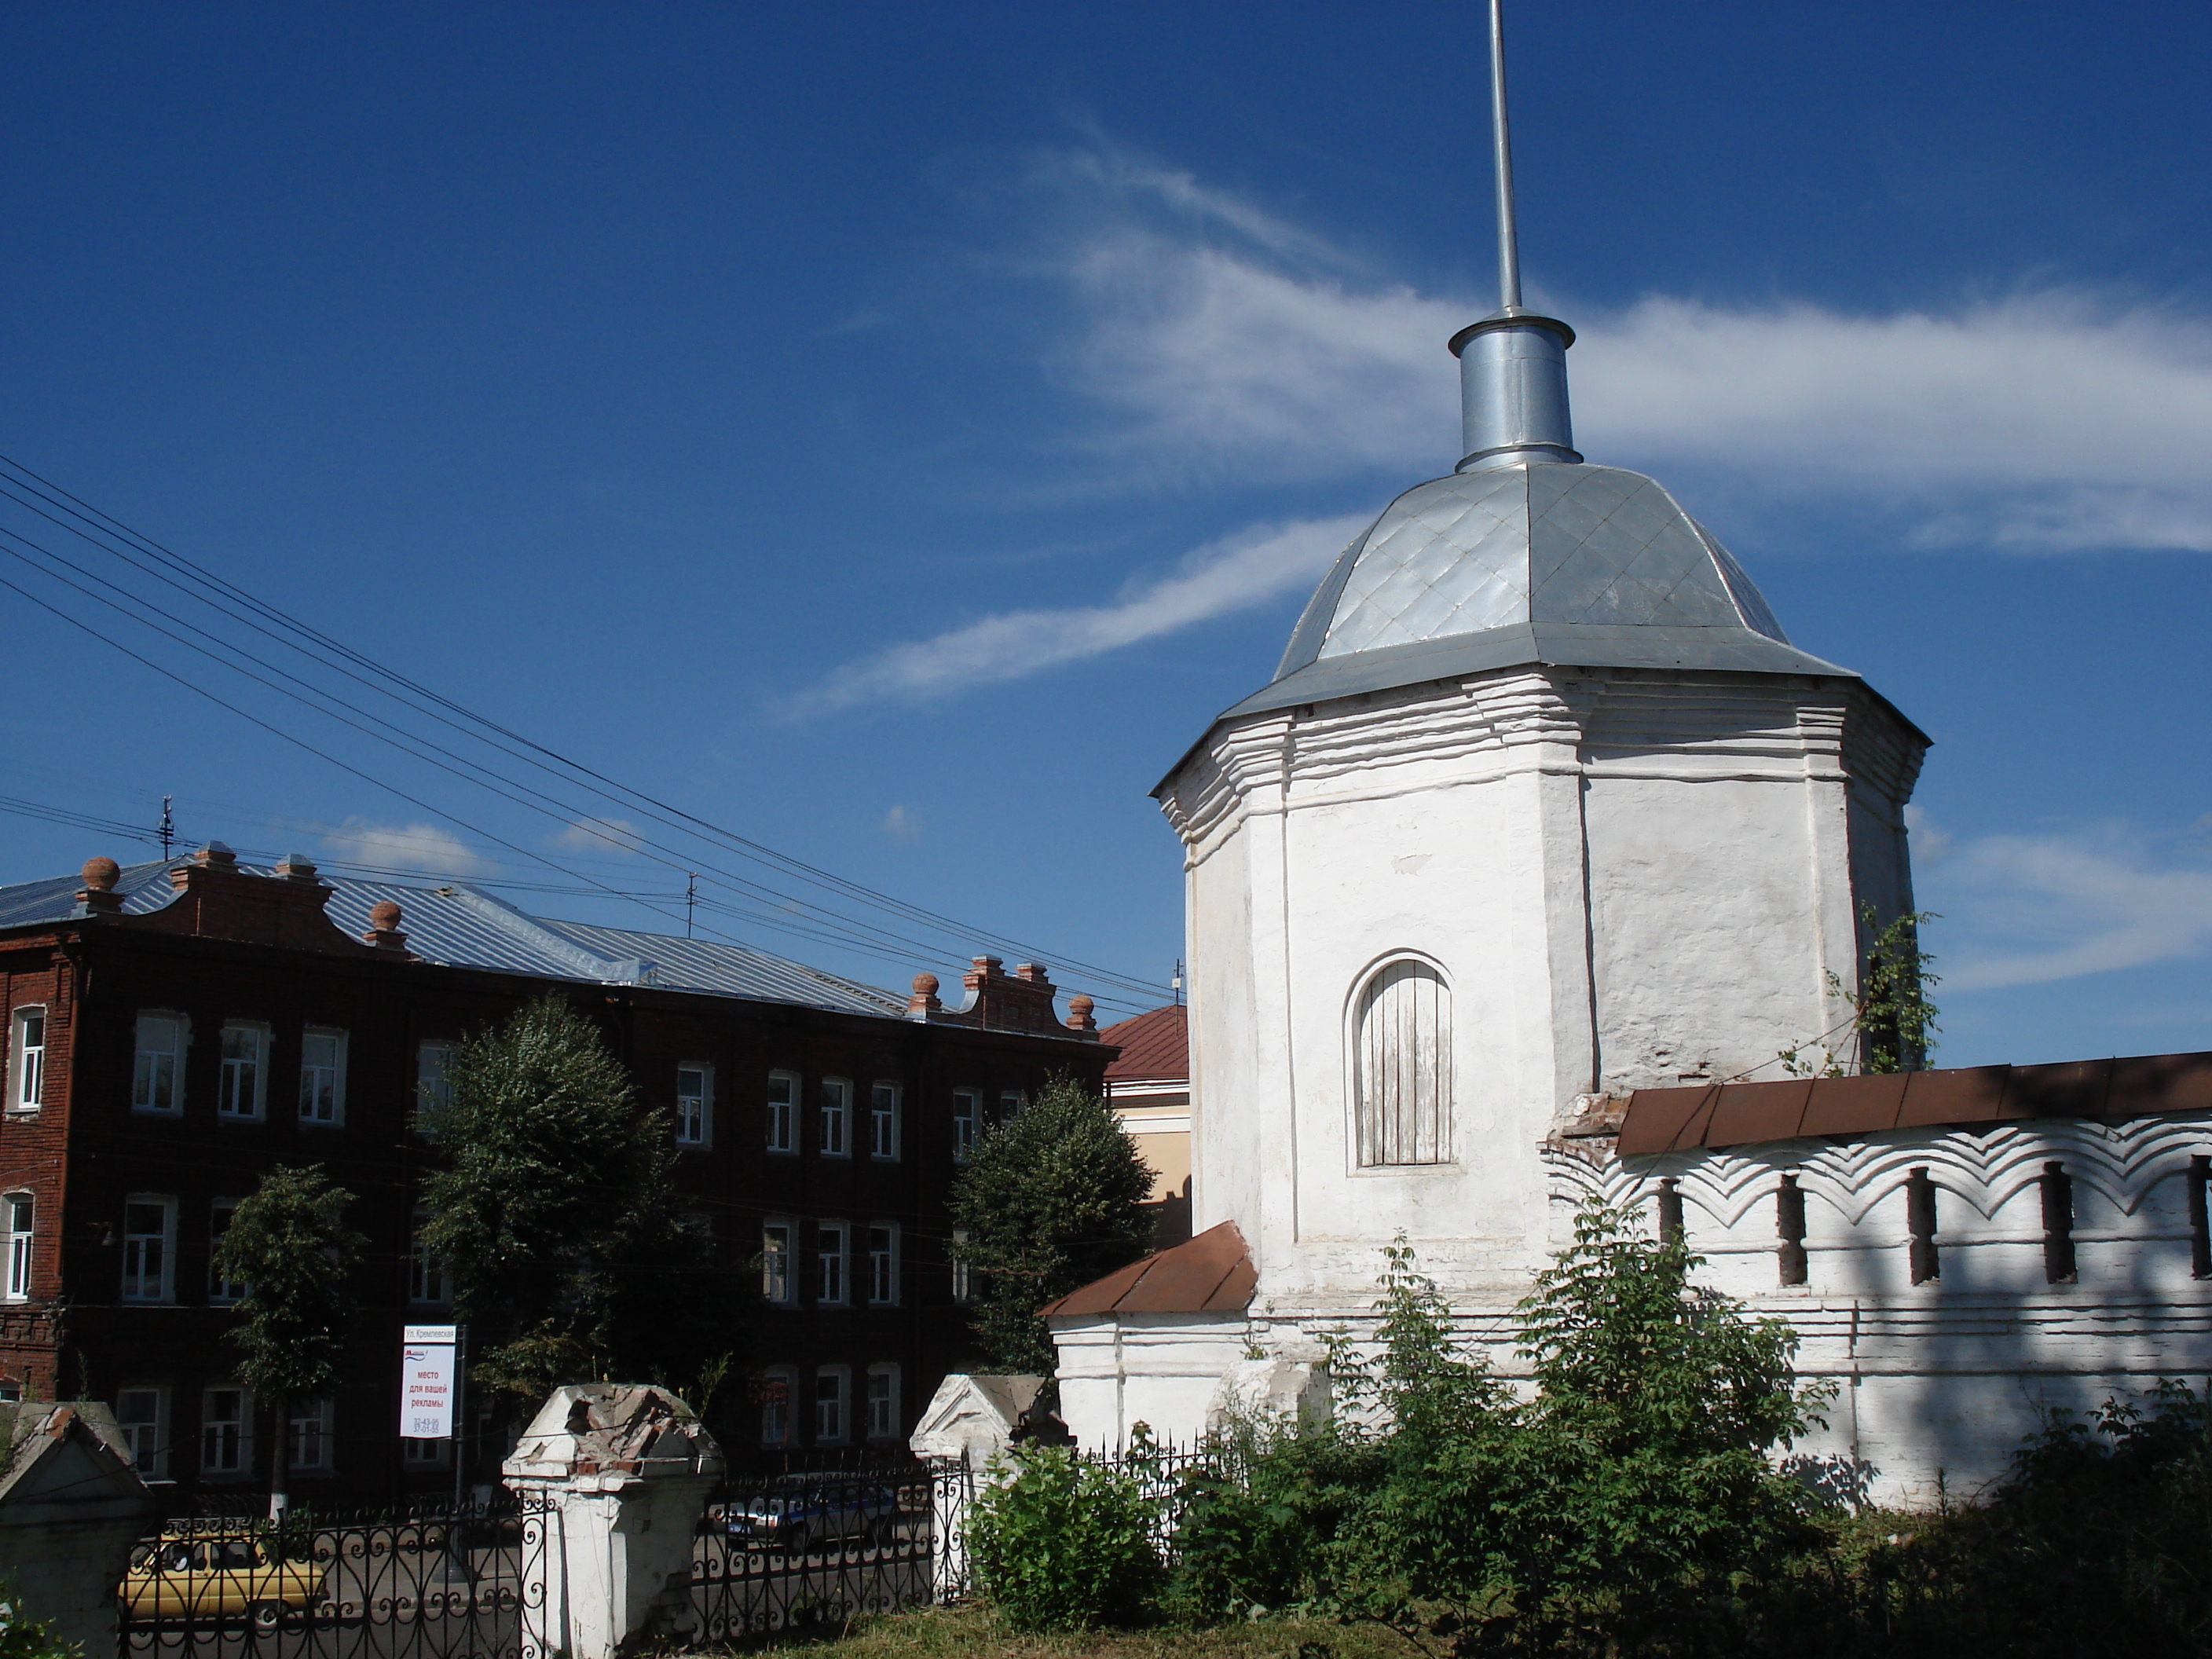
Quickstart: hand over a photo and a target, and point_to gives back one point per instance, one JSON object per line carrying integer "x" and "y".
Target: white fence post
{"x": 616, "y": 1476}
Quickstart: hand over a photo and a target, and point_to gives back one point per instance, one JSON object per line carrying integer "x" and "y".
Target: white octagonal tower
{"x": 1540, "y": 806}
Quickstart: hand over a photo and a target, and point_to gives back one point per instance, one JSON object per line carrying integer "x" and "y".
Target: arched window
{"x": 1402, "y": 1066}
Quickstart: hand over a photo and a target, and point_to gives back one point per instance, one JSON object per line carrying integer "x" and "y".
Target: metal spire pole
{"x": 1501, "y": 144}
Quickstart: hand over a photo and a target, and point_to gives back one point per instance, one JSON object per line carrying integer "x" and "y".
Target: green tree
{"x": 556, "y": 1209}
{"x": 1051, "y": 1199}
{"x": 290, "y": 1245}
{"x": 1892, "y": 1019}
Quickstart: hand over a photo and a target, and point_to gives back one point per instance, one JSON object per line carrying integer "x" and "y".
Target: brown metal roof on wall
{"x": 1210, "y": 1274}
{"x": 1745, "y": 1113}
{"x": 1155, "y": 1047}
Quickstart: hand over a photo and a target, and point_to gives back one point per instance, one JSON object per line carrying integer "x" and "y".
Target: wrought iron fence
{"x": 809, "y": 1550}
{"x": 422, "y": 1586}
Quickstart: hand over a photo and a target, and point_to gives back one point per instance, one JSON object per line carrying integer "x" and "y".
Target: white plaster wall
{"x": 1160, "y": 1370}
{"x": 1626, "y": 877}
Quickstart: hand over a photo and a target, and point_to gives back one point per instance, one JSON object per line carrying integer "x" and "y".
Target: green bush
{"x": 1258, "y": 1521}
{"x": 1068, "y": 1542}
{"x": 25, "y": 1637}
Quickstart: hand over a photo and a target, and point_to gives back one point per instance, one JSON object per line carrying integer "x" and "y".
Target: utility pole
{"x": 691, "y": 899}
{"x": 168, "y": 828}
{"x": 1176, "y": 983}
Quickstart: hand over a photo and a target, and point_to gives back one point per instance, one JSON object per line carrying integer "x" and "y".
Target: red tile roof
{"x": 1744, "y": 1113}
{"x": 1155, "y": 1047}
{"x": 1211, "y": 1273}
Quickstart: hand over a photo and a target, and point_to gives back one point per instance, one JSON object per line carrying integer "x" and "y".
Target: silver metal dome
{"x": 1528, "y": 562}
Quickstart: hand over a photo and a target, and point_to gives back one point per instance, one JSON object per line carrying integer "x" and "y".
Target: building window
{"x": 883, "y": 1122}
{"x": 1401, "y": 1066}
{"x": 883, "y": 1265}
{"x": 694, "y": 1105}
{"x": 426, "y": 1285}
{"x": 245, "y": 1054}
{"x": 882, "y": 1402}
{"x": 778, "y": 1388}
{"x": 221, "y": 1288}
{"x": 434, "y": 1092}
{"x": 157, "y": 1080}
{"x": 967, "y": 1122}
{"x": 322, "y": 1077}
{"x": 148, "y": 1242}
{"x": 829, "y": 1405}
{"x": 963, "y": 1289}
{"x": 775, "y": 1263}
{"x": 139, "y": 1413}
{"x": 1010, "y": 1102}
{"x": 783, "y": 1111}
{"x": 310, "y": 1426}
{"x": 19, "y": 1209}
{"x": 27, "y": 1059}
{"x": 226, "y": 1431}
{"x": 829, "y": 1258}
{"x": 426, "y": 1454}
{"x": 836, "y": 1117}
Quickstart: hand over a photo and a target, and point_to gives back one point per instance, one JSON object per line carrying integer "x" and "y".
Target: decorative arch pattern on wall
{"x": 1401, "y": 1066}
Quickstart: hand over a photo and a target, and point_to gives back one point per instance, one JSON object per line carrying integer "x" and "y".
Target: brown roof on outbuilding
{"x": 1155, "y": 1047}
{"x": 1744, "y": 1113}
{"x": 1211, "y": 1273}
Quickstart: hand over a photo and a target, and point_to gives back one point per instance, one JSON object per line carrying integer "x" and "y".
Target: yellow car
{"x": 216, "y": 1575}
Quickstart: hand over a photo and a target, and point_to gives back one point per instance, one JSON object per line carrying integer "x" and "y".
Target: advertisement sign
{"x": 428, "y": 1378}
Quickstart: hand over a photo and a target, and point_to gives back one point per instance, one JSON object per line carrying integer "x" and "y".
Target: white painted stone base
{"x": 1160, "y": 1370}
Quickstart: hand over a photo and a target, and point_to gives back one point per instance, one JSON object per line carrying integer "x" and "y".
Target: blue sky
{"x": 890, "y": 432}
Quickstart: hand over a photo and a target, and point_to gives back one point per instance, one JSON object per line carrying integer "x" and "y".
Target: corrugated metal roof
{"x": 459, "y": 925}
{"x": 1210, "y": 1274}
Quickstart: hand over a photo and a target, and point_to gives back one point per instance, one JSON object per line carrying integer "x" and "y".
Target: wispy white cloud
{"x": 424, "y": 847}
{"x": 600, "y": 835}
{"x": 901, "y": 825}
{"x": 2037, "y": 422}
{"x": 1235, "y": 572}
{"x": 2031, "y": 910}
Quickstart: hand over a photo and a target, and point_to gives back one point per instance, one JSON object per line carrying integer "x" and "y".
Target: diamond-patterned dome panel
{"x": 1539, "y": 543}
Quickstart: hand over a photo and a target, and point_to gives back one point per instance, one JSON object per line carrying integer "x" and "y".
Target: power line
{"x": 204, "y": 586}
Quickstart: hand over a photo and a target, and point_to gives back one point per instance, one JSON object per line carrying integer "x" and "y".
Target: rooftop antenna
{"x": 691, "y": 899}
{"x": 168, "y": 829}
{"x": 1176, "y": 983}
{"x": 1513, "y": 363}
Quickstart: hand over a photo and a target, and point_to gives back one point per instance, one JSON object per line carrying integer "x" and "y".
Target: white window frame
{"x": 778, "y": 1262}
{"x": 963, "y": 1285}
{"x": 882, "y": 1400}
{"x": 165, "y": 1271}
{"x": 426, "y": 1454}
{"x": 26, "y": 1060}
{"x": 20, "y": 1211}
{"x": 428, "y": 1286}
{"x": 221, "y": 1291}
{"x": 239, "y": 1442}
{"x": 836, "y": 1117}
{"x": 967, "y": 1122}
{"x": 695, "y": 1128}
{"x": 833, "y": 1408}
{"x": 142, "y": 1412}
{"x": 833, "y": 1268}
{"x": 257, "y": 1105}
{"x": 779, "y": 1416}
{"x": 147, "y": 1094}
{"x": 883, "y": 1120}
{"x": 883, "y": 1264}
{"x": 311, "y": 1427}
{"x": 783, "y": 1115}
{"x": 1012, "y": 1103}
{"x": 434, "y": 1091}
{"x": 328, "y": 1115}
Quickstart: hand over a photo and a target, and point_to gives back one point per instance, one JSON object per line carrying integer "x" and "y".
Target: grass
{"x": 974, "y": 1632}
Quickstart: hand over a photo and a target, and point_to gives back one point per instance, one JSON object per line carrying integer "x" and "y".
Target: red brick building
{"x": 175, "y": 1030}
